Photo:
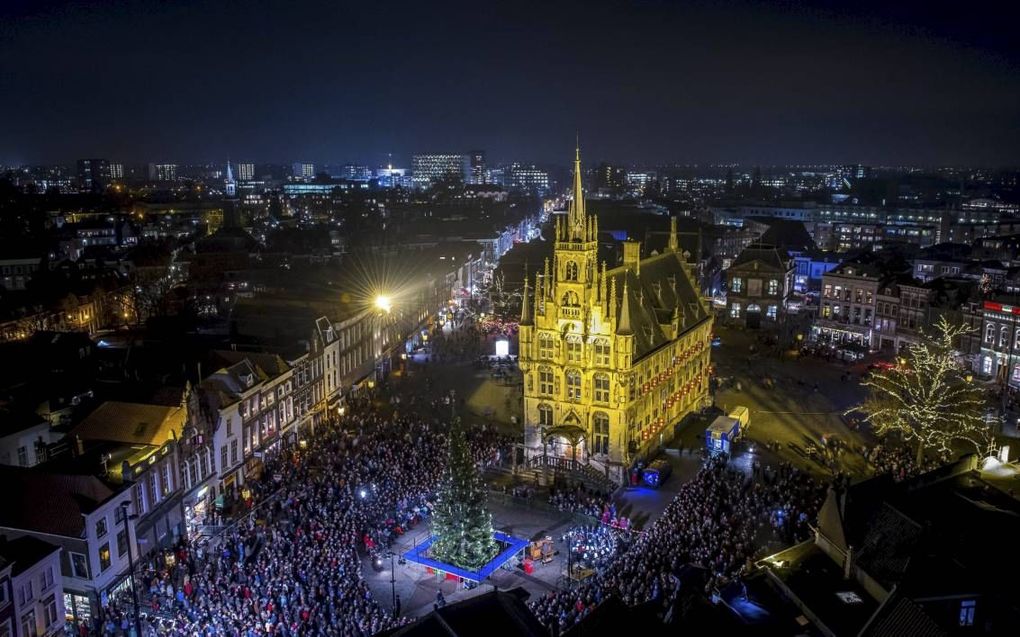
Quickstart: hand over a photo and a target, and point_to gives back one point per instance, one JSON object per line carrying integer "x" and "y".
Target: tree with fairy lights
{"x": 461, "y": 522}
{"x": 928, "y": 397}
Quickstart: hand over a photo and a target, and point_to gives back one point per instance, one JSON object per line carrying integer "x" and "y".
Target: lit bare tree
{"x": 929, "y": 398}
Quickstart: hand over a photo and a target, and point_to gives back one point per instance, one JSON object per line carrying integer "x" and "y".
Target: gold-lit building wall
{"x": 611, "y": 358}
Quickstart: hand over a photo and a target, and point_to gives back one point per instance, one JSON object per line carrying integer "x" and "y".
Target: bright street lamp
{"x": 383, "y": 302}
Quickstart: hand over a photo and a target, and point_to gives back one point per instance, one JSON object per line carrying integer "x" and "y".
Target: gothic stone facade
{"x": 612, "y": 359}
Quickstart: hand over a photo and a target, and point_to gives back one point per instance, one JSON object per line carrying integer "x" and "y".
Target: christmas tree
{"x": 461, "y": 522}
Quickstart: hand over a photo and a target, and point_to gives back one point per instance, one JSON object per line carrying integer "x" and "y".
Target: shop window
{"x": 986, "y": 366}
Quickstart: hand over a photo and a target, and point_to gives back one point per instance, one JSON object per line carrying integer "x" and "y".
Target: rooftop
{"x": 34, "y": 499}
{"x": 132, "y": 423}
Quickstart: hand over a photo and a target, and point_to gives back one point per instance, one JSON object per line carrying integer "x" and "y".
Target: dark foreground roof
{"x": 494, "y": 614}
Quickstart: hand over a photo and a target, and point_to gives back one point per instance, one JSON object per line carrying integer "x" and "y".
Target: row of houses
{"x": 133, "y": 476}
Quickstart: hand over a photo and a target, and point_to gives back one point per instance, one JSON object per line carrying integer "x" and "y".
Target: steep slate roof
{"x": 132, "y": 423}
{"x": 25, "y": 552}
{"x": 269, "y": 365}
{"x": 662, "y": 285}
{"x": 899, "y": 617}
{"x": 35, "y": 500}
{"x": 788, "y": 234}
{"x": 767, "y": 254}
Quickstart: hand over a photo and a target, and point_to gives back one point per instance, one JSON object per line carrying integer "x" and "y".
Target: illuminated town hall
{"x": 612, "y": 358}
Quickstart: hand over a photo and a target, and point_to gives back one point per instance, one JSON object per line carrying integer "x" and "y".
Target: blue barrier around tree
{"x": 511, "y": 547}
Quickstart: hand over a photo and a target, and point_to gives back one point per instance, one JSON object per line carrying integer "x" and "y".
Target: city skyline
{"x": 749, "y": 82}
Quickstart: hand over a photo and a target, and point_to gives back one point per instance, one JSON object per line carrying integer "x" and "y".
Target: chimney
{"x": 632, "y": 255}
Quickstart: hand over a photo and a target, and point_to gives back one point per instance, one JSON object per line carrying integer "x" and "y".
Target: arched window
{"x": 574, "y": 349}
{"x": 601, "y": 347}
{"x": 571, "y": 270}
{"x": 600, "y": 433}
{"x": 990, "y": 333}
{"x": 545, "y": 415}
{"x": 1003, "y": 336}
{"x": 545, "y": 381}
{"x": 573, "y": 385}
{"x": 545, "y": 346}
{"x": 600, "y": 385}
{"x": 570, "y": 300}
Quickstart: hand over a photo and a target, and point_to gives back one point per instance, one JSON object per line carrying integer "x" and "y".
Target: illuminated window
{"x": 574, "y": 349}
{"x": 967, "y": 608}
{"x": 736, "y": 284}
{"x": 600, "y": 433}
{"x": 545, "y": 346}
{"x": 771, "y": 312}
{"x": 990, "y": 333}
{"x": 734, "y": 310}
{"x": 545, "y": 381}
{"x": 545, "y": 415}
{"x": 104, "y": 557}
{"x": 573, "y": 385}
{"x": 601, "y": 388}
{"x": 773, "y": 287}
{"x": 571, "y": 271}
{"x": 602, "y": 351}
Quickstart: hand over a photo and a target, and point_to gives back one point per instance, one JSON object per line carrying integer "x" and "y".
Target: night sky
{"x": 925, "y": 82}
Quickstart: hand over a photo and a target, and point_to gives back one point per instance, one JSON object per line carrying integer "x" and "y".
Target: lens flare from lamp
{"x": 383, "y": 302}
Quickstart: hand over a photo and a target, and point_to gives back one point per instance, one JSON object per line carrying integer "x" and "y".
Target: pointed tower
{"x": 574, "y": 261}
{"x": 229, "y": 185}
{"x": 674, "y": 243}
{"x": 526, "y": 318}
{"x": 623, "y": 326}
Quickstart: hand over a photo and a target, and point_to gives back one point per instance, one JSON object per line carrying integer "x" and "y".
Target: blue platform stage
{"x": 511, "y": 547}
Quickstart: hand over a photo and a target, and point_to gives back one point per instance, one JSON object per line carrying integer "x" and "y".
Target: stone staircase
{"x": 539, "y": 472}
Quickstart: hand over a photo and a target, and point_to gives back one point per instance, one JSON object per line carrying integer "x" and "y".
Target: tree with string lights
{"x": 461, "y": 522}
{"x": 928, "y": 397}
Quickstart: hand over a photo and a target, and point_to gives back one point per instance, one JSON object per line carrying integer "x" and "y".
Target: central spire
{"x": 577, "y": 215}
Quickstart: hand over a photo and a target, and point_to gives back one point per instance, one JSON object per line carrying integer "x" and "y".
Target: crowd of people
{"x": 580, "y": 499}
{"x": 293, "y": 568}
{"x": 898, "y": 461}
{"x": 719, "y": 521}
